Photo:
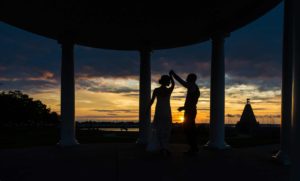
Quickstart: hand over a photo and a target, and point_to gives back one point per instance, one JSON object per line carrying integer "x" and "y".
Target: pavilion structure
{"x": 145, "y": 27}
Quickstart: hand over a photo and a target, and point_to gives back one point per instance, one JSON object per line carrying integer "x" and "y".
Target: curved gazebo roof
{"x": 131, "y": 26}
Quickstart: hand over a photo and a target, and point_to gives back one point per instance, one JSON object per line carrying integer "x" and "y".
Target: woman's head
{"x": 164, "y": 80}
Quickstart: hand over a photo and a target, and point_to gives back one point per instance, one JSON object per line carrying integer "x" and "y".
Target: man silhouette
{"x": 190, "y": 110}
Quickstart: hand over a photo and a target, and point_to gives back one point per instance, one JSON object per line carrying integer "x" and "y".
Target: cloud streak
{"x": 115, "y": 110}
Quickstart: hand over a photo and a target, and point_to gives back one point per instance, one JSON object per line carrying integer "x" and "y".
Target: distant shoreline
{"x": 135, "y": 125}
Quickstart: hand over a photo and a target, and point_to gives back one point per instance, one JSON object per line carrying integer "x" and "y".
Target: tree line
{"x": 19, "y": 110}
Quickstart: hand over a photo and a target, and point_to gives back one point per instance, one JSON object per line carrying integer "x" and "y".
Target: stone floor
{"x": 128, "y": 162}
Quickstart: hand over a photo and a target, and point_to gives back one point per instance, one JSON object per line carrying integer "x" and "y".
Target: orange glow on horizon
{"x": 179, "y": 119}
{"x": 114, "y": 106}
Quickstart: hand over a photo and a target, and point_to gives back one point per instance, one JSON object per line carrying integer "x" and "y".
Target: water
{"x": 112, "y": 129}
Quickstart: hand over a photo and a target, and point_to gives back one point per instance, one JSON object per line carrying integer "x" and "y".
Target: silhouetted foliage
{"x": 20, "y": 110}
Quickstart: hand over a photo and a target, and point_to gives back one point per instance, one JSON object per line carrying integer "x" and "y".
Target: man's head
{"x": 191, "y": 78}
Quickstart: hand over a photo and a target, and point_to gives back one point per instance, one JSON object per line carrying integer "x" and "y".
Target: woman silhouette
{"x": 162, "y": 122}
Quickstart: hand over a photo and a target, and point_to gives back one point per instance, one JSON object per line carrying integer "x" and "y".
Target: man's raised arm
{"x": 180, "y": 80}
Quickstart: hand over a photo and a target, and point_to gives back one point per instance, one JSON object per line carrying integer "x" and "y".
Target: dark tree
{"x": 20, "y": 110}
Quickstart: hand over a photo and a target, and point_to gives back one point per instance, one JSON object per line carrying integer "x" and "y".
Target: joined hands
{"x": 171, "y": 72}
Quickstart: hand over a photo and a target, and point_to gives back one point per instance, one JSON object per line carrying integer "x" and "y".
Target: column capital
{"x": 66, "y": 37}
{"x": 145, "y": 45}
{"x": 219, "y": 34}
{"x": 145, "y": 49}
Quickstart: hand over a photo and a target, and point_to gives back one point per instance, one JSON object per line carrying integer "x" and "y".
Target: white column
{"x": 217, "y": 94}
{"x": 67, "y": 126}
{"x": 283, "y": 155}
{"x": 295, "y": 172}
{"x": 145, "y": 96}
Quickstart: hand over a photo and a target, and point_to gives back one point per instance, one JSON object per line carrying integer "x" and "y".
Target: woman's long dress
{"x": 162, "y": 122}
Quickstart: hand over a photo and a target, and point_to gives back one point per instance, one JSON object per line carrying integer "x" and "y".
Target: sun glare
{"x": 181, "y": 119}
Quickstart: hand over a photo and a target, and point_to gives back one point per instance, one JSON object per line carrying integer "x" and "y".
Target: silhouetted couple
{"x": 162, "y": 123}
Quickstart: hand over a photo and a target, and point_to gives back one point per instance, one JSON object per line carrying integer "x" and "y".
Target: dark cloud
{"x": 265, "y": 99}
{"x": 29, "y": 86}
{"x": 24, "y": 52}
{"x": 260, "y": 109}
{"x": 191, "y": 59}
{"x": 249, "y": 69}
{"x": 112, "y": 114}
{"x": 232, "y": 115}
{"x": 31, "y": 82}
{"x": 91, "y": 62}
{"x": 132, "y": 94}
{"x": 269, "y": 116}
{"x": 107, "y": 117}
{"x": 178, "y": 97}
{"x": 108, "y": 63}
{"x": 115, "y": 110}
{"x": 204, "y": 100}
{"x": 261, "y": 86}
{"x": 254, "y": 53}
{"x": 203, "y": 109}
{"x": 273, "y": 102}
{"x": 101, "y": 86}
{"x": 112, "y": 89}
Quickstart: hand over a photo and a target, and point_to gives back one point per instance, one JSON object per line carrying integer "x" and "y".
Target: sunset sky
{"x": 107, "y": 81}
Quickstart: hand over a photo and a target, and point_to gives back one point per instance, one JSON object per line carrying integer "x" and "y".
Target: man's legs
{"x": 190, "y": 129}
